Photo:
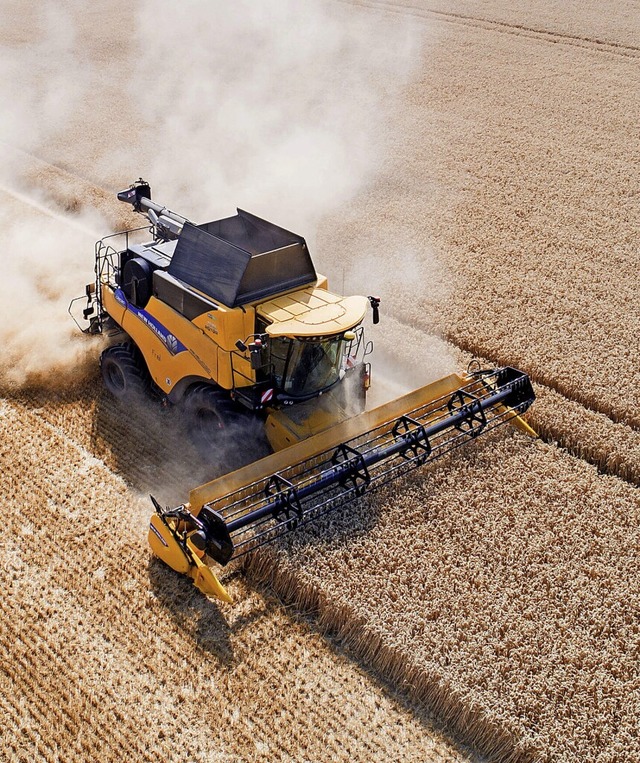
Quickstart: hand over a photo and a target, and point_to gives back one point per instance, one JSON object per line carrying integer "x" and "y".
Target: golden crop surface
{"x": 107, "y": 655}
{"x": 483, "y": 180}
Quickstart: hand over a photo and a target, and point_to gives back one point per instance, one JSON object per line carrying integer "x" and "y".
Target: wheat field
{"x": 106, "y": 655}
{"x": 477, "y": 168}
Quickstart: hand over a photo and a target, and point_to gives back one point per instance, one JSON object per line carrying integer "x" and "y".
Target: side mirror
{"x": 256, "y": 361}
{"x": 255, "y": 349}
{"x": 375, "y": 305}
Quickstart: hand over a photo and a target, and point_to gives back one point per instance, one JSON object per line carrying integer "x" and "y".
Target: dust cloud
{"x": 43, "y": 78}
{"x": 411, "y": 281}
{"x": 43, "y": 266}
{"x": 45, "y": 254}
{"x": 278, "y": 107}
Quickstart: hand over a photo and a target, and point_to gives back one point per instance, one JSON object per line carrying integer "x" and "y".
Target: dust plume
{"x": 44, "y": 265}
{"x": 42, "y": 76}
{"x": 45, "y": 254}
{"x": 279, "y": 107}
{"x": 287, "y": 109}
{"x": 412, "y": 284}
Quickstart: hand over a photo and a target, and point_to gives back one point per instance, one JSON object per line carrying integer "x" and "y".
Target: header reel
{"x": 241, "y": 520}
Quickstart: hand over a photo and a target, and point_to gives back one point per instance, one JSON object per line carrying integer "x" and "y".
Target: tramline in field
{"x": 229, "y": 319}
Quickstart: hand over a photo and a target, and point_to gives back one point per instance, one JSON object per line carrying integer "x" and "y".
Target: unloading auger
{"x": 241, "y": 511}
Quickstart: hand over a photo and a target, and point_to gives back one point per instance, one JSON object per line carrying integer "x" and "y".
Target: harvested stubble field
{"x": 498, "y": 589}
{"x": 107, "y": 658}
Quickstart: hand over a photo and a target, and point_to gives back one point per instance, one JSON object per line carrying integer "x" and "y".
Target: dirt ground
{"x": 477, "y": 167}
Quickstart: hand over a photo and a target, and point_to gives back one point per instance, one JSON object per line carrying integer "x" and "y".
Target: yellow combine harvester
{"x": 228, "y": 319}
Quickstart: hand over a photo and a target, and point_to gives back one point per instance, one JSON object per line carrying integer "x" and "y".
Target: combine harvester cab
{"x": 229, "y": 318}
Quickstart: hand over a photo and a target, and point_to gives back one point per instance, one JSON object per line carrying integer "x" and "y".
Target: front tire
{"x": 210, "y": 415}
{"x": 123, "y": 371}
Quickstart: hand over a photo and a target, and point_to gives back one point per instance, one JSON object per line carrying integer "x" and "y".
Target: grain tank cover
{"x": 241, "y": 259}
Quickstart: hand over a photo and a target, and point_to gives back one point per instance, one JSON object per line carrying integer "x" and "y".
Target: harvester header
{"x": 262, "y": 501}
{"x": 239, "y": 512}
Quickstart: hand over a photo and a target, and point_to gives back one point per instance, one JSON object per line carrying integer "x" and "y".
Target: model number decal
{"x": 160, "y": 538}
{"x": 172, "y": 343}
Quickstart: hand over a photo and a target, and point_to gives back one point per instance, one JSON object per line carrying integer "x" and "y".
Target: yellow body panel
{"x": 111, "y": 304}
{"x": 163, "y": 539}
{"x": 240, "y": 374}
{"x": 282, "y": 431}
{"x": 165, "y": 546}
{"x": 205, "y": 341}
{"x": 166, "y": 368}
{"x": 226, "y": 325}
{"x": 206, "y": 346}
{"x": 205, "y": 579}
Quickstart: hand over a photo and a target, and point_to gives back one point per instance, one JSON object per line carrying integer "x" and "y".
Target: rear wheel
{"x": 123, "y": 371}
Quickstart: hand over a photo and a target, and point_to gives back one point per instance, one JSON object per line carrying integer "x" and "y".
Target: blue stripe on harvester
{"x": 172, "y": 343}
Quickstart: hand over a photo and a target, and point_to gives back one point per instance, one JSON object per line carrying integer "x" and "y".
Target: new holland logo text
{"x": 172, "y": 343}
